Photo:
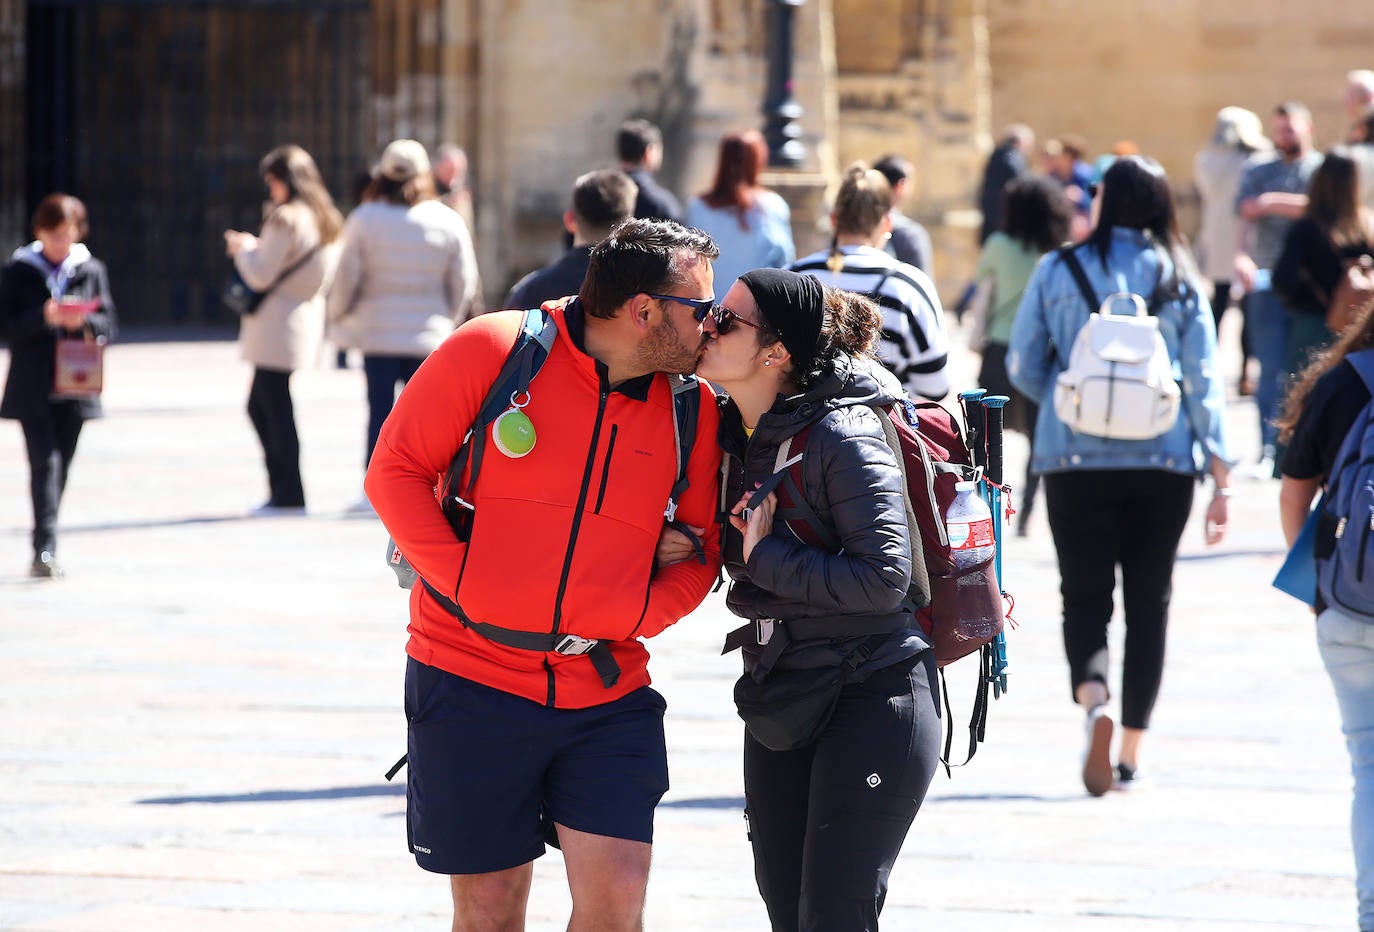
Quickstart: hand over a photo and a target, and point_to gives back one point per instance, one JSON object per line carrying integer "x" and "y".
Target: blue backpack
{"x": 1345, "y": 530}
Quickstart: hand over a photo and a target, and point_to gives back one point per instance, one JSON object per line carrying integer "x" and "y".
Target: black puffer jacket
{"x": 852, "y": 481}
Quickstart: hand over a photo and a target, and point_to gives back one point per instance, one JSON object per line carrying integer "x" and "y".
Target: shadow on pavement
{"x": 706, "y": 802}
{"x": 283, "y": 796}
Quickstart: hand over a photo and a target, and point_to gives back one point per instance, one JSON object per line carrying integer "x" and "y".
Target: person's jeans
{"x": 1269, "y": 338}
{"x": 1347, "y": 649}
{"x": 384, "y": 373}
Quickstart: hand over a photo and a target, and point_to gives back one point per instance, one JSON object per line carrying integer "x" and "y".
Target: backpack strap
{"x": 978, "y": 721}
{"x": 1080, "y": 278}
{"x": 686, "y": 408}
{"x": 531, "y": 348}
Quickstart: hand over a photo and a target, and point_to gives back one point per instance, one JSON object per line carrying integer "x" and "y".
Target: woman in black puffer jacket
{"x": 827, "y": 818}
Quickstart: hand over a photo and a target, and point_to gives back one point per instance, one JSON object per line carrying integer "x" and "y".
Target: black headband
{"x": 793, "y": 306}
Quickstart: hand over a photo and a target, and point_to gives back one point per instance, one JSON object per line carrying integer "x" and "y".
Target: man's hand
{"x": 675, "y": 546}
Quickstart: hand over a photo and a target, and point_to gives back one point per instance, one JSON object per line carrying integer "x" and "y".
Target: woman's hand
{"x": 235, "y": 241}
{"x": 756, "y": 524}
{"x": 675, "y": 546}
{"x": 1214, "y": 525}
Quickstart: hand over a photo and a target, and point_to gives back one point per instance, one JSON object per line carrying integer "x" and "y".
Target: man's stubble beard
{"x": 664, "y": 351}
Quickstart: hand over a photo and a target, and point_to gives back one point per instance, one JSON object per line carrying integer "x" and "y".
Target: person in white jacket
{"x": 406, "y": 277}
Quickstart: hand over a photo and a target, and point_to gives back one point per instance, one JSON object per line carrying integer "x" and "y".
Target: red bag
{"x": 78, "y": 368}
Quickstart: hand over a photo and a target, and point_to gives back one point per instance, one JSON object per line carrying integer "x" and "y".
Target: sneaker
{"x": 1264, "y": 468}
{"x": 1098, "y": 775}
{"x": 269, "y": 510}
{"x": 45, "y": 566}
{"x": 1127, "y": 777}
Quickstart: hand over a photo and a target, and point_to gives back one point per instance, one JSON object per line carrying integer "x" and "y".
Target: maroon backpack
{"x": 959, "y": 610}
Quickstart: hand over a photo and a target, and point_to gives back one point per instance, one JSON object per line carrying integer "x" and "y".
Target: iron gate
{"x": 156, "y": 114}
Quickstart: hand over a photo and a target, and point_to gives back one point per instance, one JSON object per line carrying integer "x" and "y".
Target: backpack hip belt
{"x": 569, "y": 645}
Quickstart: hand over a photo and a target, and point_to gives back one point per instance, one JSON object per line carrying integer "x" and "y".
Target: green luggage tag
{"x": 512, "y": 431}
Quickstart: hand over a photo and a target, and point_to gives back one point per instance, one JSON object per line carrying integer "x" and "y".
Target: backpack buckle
{"x": 670, "y": 513}
{"x": 572, "y": 646}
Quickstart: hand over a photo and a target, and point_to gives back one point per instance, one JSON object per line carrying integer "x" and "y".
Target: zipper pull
{"x": 1340, "y": 529}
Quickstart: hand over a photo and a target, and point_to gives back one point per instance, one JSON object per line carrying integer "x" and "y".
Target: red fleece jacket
{"x": 535, "y": 561}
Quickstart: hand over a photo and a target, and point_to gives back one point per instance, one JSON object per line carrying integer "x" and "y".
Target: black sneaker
{"x": 45, "y": 566}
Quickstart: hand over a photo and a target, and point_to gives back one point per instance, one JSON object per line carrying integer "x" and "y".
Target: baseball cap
{"x": 402, "y": 160}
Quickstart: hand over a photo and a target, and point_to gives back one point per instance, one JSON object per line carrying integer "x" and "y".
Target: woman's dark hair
{"x": 1358, "y": 336}
{"x": 851, "y": 325}
{"x": 1136, "y": 196}
{"x": 1036, "y": 212}
{"x": 740, "y": 159}
{"x": 293, "y": 167}
{"x": 1333, "y": 198}
{"x": 406, "y": 193}
{"x": 57, "y": 210}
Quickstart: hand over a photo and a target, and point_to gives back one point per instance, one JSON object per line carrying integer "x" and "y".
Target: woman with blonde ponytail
{"x": 914, "y": 344}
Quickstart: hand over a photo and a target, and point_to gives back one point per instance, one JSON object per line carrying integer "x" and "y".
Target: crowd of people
{"x": 550, "y": 678}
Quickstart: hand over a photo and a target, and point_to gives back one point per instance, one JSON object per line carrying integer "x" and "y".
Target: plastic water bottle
{"x": 968, "y": 523}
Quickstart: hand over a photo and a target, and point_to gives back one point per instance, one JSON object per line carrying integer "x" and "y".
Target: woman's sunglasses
{"x": 725, "y": 320}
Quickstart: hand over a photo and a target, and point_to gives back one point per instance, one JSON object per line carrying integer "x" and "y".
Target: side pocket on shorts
{"x": 420, "y": 680}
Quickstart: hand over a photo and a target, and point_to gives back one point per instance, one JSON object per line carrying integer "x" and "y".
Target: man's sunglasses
{"x": 700, "y": 306}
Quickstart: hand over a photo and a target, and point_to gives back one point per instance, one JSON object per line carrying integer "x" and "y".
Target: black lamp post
{"x": 780, "y": 109}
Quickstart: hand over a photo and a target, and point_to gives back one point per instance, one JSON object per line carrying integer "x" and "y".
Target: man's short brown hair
{"x": 640, "y": 257}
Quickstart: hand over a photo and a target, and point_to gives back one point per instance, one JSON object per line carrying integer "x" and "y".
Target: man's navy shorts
{"x": 489, "y": 772}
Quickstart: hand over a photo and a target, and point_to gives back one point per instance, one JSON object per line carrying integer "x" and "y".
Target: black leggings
{"x": 1101, "y": 519}
{"x": 274, "y": 418}
{"x": 51, "y": 443}
{"x": 827, "y": 821}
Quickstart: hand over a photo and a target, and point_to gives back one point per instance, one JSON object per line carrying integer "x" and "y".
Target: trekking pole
{"x": 993, "y": 405}
{"x": 975, "y": 420}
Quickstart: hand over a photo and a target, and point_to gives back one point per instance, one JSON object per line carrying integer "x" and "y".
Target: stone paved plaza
{"x": 194, "y": 725}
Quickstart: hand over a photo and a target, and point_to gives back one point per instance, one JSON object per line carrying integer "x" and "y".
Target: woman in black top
{"x": 826, "y": 818}
{"x": 33, "y": 315}
{"x": 1319, "y": 412}
{"x": 1333, "y": 230}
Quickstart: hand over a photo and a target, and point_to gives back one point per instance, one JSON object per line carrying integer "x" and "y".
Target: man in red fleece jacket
{"x": 510, "y": 746}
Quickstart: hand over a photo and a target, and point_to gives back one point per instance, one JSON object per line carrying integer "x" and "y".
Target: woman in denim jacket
{"x": 1122, "y": 502}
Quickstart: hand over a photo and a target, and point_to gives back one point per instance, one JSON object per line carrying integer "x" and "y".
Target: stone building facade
{"x": 171, "y": 126}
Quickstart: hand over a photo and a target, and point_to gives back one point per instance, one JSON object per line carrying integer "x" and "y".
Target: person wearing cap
{"x": 827, "y": 817}
{"x": 1236, "y": 137}
{"x": 406, "y": 278}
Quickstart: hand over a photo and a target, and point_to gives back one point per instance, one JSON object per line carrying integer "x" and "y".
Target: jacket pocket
{"x": 606, "y": 469}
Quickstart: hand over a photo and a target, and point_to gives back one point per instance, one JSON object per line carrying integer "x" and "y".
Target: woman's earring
{"x": 768, "y": 362}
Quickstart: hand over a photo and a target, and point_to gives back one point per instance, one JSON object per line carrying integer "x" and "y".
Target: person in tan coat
{"x": 291, "y": 259}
